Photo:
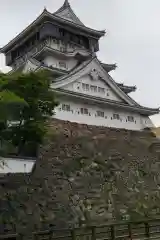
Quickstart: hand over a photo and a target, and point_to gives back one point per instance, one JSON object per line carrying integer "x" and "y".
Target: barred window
{"x": 84, "y": 111}
{"x": 116, "y": 116}
{"x": 93, "y": 88}
{"x": 66, "y": 107}
{"x": 101, "y": 90}
{"x": 100, "y": 114}
{"x": 130, "y": 118}
{"x": 85, "y": 86}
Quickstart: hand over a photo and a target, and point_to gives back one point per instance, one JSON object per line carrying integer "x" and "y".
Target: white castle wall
{"x": 16, "y": 165}
{"x": 75, "y": 115}
{"x": 79, "y": 86}
{"x": 56, "y": 62}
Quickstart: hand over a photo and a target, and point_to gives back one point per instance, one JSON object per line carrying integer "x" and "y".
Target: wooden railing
{"x": 121, "y": 231}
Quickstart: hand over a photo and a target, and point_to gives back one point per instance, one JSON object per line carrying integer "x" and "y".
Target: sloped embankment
{"x": 84, "y": 175}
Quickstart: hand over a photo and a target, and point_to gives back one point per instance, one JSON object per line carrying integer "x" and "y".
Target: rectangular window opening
{"x": 84, "y": 111}
{"x": 116, "y": 116}
{"x": 130, "y": 118}
{"x": 85, "y": 86}
{"x": 100, "y": 114}
{"x": 93, "y": 88}
{"x": 101, "y": 90}
{"x": 66, "y": 107}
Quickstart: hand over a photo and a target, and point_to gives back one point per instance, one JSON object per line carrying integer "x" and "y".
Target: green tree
{"x": 26, "y": 103}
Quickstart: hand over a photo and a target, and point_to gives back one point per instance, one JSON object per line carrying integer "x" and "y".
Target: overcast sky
{"x": 132, "y": 40}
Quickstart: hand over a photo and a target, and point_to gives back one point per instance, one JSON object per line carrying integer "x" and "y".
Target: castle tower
{"x": 61, "y": 43}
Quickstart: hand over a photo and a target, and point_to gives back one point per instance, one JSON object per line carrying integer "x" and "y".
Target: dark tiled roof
{"x": 70, "y": 13}
{"x": 127, "y": 89}
{"x": 109, "y": 67}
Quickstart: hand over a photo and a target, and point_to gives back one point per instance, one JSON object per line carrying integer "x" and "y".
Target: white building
{"x": 18, "y": 165}
{"x": 61, "y": 43}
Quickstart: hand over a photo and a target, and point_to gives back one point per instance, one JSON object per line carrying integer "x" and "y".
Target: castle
{"x": 84, "y": 175}
{"x": 62, "y": 44}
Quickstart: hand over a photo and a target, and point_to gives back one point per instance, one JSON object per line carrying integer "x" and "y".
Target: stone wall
{"x": 84, "y": 175}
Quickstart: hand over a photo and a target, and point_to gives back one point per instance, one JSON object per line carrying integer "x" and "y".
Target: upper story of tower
{"x": 61, "y": 31}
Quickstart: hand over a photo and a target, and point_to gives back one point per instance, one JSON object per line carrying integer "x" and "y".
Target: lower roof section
{"x": 127, "y": 89}
{"x": 105, "y": 102}
{"x": 79, "y": 70}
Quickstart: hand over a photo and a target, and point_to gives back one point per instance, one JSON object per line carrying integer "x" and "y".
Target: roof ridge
{"x": 66, "y": 6}
{"x": 66, "y": 3}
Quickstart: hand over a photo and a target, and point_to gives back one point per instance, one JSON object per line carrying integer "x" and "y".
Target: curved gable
{"x": 94, "y": 69}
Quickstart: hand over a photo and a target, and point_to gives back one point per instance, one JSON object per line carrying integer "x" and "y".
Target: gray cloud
{"x": 132, "y": 39}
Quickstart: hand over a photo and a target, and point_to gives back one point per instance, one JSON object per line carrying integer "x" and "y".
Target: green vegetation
{"x": 26, "y": 102}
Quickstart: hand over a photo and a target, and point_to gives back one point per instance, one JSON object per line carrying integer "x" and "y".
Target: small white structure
{"x": 61, "y": 43}
{"x": 16, "y": 165}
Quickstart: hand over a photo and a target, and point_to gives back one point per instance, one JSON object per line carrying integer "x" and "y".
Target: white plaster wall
{"x": 54, "y": 62}
{"x": 29, "y": 67}
{"x": 75, "y": 116}
{"x": 77, "y": 87}
{"x": 12, "y": 165}
{"x": 55, "y": 44}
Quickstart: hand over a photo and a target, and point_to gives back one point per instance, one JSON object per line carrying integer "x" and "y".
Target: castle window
{"x": 130, "y": 118}
{"x": 85, "y": 86}
{"x": 66, "y": 107}
{"x": 61, "y": 31}
{"x": 100, "y": 114}
{"x": 84, "y": 111}
{"x": 62, "y": 64}
{"x": 101, "y": 90}
{"x": 116, "y": 116}
{"x": 93, "y": 88}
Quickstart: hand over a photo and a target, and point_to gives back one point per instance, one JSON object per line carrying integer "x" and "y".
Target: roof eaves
{"x": 46, "y": 13}
{"x": 127, "y": 89}
{"x": 140, "y": 109}
{"x": 52, "y": 69}
{"x": 72, "y": 54}
{"x": 109, "y": 67}
{"x": 4, "y": 48}
{"x": 151, "y": 110}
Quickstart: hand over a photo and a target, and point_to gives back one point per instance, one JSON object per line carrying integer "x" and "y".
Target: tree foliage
{"x": 26, "y": 102}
